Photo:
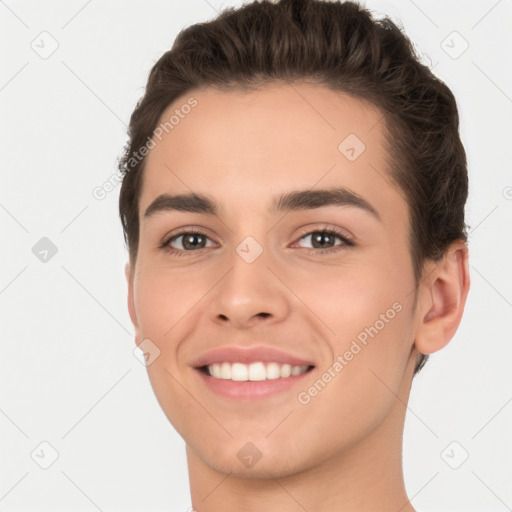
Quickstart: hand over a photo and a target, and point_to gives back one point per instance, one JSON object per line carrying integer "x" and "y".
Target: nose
{"x": 250, "y": 293}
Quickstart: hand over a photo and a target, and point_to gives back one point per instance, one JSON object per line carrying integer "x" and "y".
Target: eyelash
{"x": 191, "y": 231}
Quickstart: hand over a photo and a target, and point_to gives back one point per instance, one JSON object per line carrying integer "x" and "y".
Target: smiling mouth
{"x": 254, "y": 372}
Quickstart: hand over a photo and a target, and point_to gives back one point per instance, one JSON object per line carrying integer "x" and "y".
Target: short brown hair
{"x": 340, "y": 46}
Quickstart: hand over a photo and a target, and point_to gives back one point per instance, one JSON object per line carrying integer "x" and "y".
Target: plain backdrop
{"x": 80, "y": 428}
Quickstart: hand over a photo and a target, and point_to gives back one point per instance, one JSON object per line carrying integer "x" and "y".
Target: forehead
{"x": 243, "y": 146}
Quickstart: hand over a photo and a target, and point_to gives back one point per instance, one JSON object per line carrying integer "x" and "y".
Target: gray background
{"x": 68, "y": 374}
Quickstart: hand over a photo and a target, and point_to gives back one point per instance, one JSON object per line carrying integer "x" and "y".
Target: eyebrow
{"x": 291, "y": 201}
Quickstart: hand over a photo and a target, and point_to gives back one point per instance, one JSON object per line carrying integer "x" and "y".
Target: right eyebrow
{"x": 194, "y": 203}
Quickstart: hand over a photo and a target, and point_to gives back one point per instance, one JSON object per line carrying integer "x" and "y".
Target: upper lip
{"x": 247, "y": 355}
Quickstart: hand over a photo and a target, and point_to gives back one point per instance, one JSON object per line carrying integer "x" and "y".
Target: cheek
{"x": 164, "y": 299}
{"x": 349, "y": 297}
{"x": 364, "y": 311}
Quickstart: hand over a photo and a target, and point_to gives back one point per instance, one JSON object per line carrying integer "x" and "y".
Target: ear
{"x": 442, "y": 297}
{"x": 131, "y": 304}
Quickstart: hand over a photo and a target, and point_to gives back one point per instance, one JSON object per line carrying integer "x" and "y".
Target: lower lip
{"x": 250, "y": 390}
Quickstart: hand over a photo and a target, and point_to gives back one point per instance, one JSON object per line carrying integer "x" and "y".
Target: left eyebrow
{"x": 291, "y": 201}
{"x": 310, "y": 199}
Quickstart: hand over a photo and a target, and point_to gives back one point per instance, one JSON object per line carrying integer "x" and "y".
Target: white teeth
{"x": 239, "y": 371}
{"x": 215, "y": 370}
{"x": 257, "y": 371}
{"x": 296, "y": 370}
{"x": 225, "y": 372}
{"x": 273, "y": 371}
{"x": 286, "y": 370}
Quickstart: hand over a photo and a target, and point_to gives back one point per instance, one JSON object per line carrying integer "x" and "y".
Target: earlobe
{"x": 442, "y": 299}
{"x": 131, "y": 303}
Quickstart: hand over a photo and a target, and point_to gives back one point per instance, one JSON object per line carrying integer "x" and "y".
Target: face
{"x": 302, "y": 248}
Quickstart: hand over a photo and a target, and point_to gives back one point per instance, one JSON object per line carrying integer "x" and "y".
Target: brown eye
{"x": 186, "y": 241}
{"x": 321, "y": 240}
{"x": 326, "y": 239}
{"x": 192, "y": 241}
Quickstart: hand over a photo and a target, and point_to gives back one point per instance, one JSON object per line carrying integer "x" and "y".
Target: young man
{"x": 293, "y": 204}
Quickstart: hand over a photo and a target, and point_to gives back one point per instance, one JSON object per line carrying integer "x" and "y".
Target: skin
{"x": 342, "y": 450}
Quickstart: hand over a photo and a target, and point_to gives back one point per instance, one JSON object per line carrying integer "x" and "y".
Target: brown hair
{"x": 340, "y": 46}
